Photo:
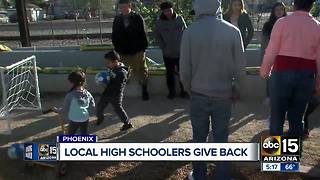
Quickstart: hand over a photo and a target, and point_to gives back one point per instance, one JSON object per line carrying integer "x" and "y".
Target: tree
{"x": 315, "y": 9}
{"x": 2, "y": 4}
{"x": 40, "y": 3}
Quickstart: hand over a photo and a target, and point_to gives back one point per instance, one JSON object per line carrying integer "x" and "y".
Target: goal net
{"x": 20, "y": 90}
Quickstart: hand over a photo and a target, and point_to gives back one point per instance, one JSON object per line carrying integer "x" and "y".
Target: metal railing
{"x": 62, "y": 23}
{"x": 76, "y": 22}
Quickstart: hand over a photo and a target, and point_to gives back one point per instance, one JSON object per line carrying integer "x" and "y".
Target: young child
{"x": 114, "y": 91}
{"x": 77, "y": 104}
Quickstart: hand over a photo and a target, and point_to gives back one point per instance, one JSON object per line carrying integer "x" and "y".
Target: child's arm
{"x": 118, "y": 77}
{"x": 92, "y": 104}
{"x": 66, "y": 106}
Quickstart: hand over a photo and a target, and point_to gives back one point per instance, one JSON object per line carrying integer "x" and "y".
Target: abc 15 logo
{"x": 280, "y": 145}
{"x": 47, "y": 150}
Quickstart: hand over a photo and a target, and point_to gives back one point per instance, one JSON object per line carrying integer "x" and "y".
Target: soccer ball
{"x": 15, "y": 151}
{"x": 103, "y": 78}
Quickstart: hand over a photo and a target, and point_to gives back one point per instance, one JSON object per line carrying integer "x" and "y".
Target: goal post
{"x": 20, "y": 90}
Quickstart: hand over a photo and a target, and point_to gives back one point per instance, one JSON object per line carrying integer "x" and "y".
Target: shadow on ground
{"x": 42, "y": 127}
{"x": 147, "y": 131}
{"x": 314, "y": 172}
{"x": 152, "y": 132}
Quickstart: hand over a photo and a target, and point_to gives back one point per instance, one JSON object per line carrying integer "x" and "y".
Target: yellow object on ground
{"x": 59, "y": 70}
{"x": 155, "y": 70}
{"x": 99, "y": 47}
{"x": 4, "y": 48}
{"x": 95, "y": 70}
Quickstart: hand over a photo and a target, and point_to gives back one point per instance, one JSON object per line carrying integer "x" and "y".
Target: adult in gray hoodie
{"x": 169, "y": 30}
{"x": 212, "y": 67}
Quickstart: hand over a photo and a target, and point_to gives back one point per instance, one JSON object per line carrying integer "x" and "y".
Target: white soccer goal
{"x": 20, "y": 90}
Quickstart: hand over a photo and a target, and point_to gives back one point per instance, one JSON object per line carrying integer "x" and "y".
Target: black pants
{"x": 172, "y": 68}
{"x": 313, "y": 104}
{"x": 116, "y": 102}
{"x": 73, "y": 127}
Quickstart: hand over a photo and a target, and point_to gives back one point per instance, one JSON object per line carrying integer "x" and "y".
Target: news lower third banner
{"x": 158, "y": 152}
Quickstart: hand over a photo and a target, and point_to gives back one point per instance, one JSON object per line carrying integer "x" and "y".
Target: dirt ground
{"x": 158, "y": 120}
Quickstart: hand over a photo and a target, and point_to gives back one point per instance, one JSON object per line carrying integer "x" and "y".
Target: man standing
{"x": 130, "y": 41}
{"x": 169, "y": 30}
{"x": 212, "y": 67}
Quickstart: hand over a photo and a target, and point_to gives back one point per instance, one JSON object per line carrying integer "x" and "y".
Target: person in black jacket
{"x": 278, "y": 11}
{"x": 130, "y": 41}
{"x": 238, "y": 16}
{"x": 113, "y": 93}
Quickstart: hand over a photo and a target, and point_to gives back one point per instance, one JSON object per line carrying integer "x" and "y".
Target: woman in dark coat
{"x": 278, "y": 11}
{"x": 238, "y": 16}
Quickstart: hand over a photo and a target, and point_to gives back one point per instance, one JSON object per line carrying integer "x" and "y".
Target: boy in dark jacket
{"x": 129, "y": 38}
{"x": 114, "y": 91}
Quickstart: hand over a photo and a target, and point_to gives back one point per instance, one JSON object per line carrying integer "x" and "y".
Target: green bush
{"x": 315, "y": 9}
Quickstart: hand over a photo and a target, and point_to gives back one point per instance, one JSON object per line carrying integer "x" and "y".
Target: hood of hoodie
{"x": 164, "y": 17}
{"x": 206, "y": 7}
{"x": 82, "y": 97}
{"x": 77, "y": 104}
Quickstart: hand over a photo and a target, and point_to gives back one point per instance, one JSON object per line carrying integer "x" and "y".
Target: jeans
{"x": 116, "y": 102}
{"x": 290, "y": 93}
{"x": 172, "y": 67}
{"x": 73, "y": 127}
{"x": 204, "y": 108}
